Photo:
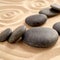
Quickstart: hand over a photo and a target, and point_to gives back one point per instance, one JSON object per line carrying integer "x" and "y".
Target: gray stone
{"x": 17, "y": 33}
{"x": 36, "y": 20}
{"x": 40, "y": 37}
{"x": 56, "y": 7}
{"x": 56, "y": 26}
{"x": 4, "y": 35}
{"x": 49, "y": 12}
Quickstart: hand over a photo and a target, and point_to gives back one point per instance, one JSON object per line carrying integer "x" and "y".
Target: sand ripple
{"x": 11, "y": 1}
{"x": 11, "y": 14}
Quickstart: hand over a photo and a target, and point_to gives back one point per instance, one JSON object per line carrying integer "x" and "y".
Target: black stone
{"x": 49, "y": 12}
{"x": 36, "y": 20}
{"x": 56, "y": 26}
{"x": 56, "y": 7}
{"x": 40, "y": 37}
{"x": 4, "y": 35}
{"x": 17, "y": 33}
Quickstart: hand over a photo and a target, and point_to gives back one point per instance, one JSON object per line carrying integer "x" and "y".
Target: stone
{"x": 49, "y": 12}
{"x": 17, "y": 33}
{"x": 56, "y": 26}
{"x": 40, "y": 37}
{"x": 56, "y": 7}
{"x": 4, "y": 35}
{"x": 36, "y": 20}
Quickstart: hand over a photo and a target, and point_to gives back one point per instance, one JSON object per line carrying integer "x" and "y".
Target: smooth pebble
{"x": 36, "y": 20}
{"x": 40, "y": 37}
{"x": 17, "y": 33}
{"x": 49, "y": 12}
{"x": 4, "y": 35}
{"x": 56, "y": 26}
{"x": 56, "y": 7}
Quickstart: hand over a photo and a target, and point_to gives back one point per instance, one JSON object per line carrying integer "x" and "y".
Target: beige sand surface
{"x": 13, "y": 14}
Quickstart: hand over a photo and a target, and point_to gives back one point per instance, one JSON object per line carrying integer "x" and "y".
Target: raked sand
{"x": 12, "y": 15}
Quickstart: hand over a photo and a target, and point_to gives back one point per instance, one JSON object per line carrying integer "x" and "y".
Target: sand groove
{"x": 11, "y": 14}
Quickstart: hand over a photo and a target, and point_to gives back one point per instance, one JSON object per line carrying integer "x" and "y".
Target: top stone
{"x": 56, "y": 7}
{"x": 49, "y": 12}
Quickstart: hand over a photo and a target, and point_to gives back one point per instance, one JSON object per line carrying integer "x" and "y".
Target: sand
{"x": 12, "y": 15}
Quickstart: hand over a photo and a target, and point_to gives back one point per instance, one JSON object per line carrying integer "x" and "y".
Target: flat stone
{"x": 49, "y": 12}
{"x": 17, "y": 33}
{"x": 56, "y": 7}
{"x": 4, "y": 35}
{"x": 56, "y": 26}
{"x": 40, "y": 37}
{"x": 36, "y": 20}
